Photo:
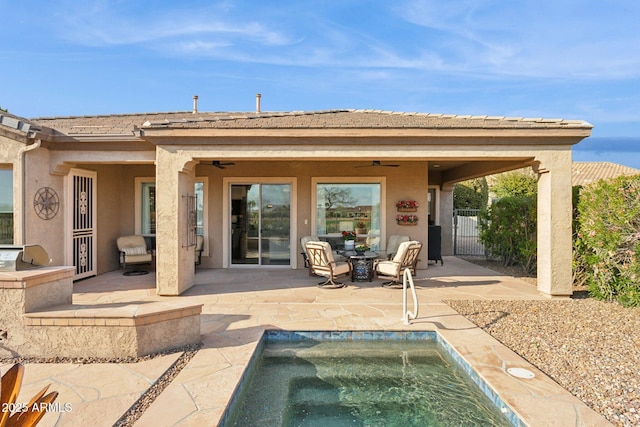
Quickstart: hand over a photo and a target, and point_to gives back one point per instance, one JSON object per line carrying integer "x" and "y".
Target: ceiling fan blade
{"x": 375, "y": 163}
{"x": 220, "y": 165}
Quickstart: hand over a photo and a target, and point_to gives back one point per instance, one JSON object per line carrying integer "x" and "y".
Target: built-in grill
{"x": 22, "y": 257}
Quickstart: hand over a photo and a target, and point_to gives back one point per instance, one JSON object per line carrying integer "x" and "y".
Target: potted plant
{"x": 349, "y": 239}
{"x": 407, "y": 206}
{"x": 361, "y": 228}
{"x": 361, "y": 248}
{"x": 407, "y": 219}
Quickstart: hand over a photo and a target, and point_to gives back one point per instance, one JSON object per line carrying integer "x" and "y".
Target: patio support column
{"x": 554, "y": 223}
{"x": 446, "y": 218}
{"x": 175, "y": 177}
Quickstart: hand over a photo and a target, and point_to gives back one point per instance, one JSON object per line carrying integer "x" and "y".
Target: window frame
{"x": 381, "y": 180}
{"x": 11, "y": 200}
{"x": 139, "y": 181}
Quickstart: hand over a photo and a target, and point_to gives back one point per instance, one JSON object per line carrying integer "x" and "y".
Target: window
{"x": 148, "y": 204}
{"x": 432, "y": 206}
{"x": 349, "y": 206}
{"x": 145, "y": 207}
{"x": 199, "y": 193}
{"x": 6, "y": 206}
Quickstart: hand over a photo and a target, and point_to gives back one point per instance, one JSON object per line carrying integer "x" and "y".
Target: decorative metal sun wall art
{"x": 46, "y": 203}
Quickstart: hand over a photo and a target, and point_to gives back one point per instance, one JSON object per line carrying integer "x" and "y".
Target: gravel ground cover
{"x": 589, "y": 347}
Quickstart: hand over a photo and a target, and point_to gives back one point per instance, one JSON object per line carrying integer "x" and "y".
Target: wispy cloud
{"x": 104, "y": 24}
{"x": 546, "y": 58}
{"x": 537, "y": 39}
{"x": 484, "y": 38}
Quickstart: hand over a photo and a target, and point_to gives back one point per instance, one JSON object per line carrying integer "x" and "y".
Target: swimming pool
{"x": 362, "y": 378}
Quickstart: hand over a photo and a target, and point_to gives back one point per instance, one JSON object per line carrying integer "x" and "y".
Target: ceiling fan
{"x": 377, "y": 163}
{"x": 220, "y": 165}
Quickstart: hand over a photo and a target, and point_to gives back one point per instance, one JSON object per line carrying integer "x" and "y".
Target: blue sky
{"x": 557, "y": 59}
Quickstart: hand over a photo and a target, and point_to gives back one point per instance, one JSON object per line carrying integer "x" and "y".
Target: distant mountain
{"x": 620, "y": 150}
{"x": 609, "y": 144}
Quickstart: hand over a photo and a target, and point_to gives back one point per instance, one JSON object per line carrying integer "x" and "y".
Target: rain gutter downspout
{"x": 23, "y": 195}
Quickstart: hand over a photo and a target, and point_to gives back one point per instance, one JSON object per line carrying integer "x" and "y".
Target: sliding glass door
{"x": 260, "y": 224}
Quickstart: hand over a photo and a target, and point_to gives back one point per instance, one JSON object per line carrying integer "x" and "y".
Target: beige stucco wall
{"x": 406, "y": 182}
{"x": 116, "y": 207}
{"x": 44, "y": 232}
{"x": 177, "y": 168}
{"x": 21, "y": 292}
{"x": 555, "y": 256}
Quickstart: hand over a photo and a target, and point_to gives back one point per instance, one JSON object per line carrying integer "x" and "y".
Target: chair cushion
{"x": 138, "y": 259}
{"x": 402, "y": 249}
{"x": 341, "y": 268}
{"x": 388, "y": 268}
{"x": 305, "y": 239}
{"x": 137, "y": 250}
{"x": 199, "y": 242}
{"x": 130, "y": 242}
{"x": 394, "y": 242}
{"x": 327, "y": 250}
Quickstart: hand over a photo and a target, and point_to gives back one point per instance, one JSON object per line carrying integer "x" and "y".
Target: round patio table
{"x": 362, "y": 266}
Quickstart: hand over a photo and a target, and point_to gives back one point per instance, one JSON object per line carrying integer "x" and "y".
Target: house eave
{"x": 566, "y": 136}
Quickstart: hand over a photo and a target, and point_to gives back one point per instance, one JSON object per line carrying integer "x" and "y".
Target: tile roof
{"x": 126, "y": 124}
{"x": 583, "y": 173}
{"x": 361, "y": 119}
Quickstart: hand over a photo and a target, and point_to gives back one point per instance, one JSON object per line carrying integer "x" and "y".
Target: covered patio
{"x": 115, "y": 164}
{"x": 239, "y": 304}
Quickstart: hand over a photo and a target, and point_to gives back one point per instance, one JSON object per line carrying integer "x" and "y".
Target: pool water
{"x": 302, "y": 382}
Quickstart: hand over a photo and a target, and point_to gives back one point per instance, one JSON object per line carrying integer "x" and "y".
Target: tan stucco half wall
{"x": 38, "y": 319}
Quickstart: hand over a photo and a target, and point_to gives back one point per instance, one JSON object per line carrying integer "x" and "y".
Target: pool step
{"x": 350, "y": 415}
{"x": 360, "y": 368}
{"x": 375, "y": 399}
{"x": 363, "y": 390}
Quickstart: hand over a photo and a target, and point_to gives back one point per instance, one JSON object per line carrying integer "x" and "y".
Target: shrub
{"x": 508, "y": 231}
{"x": 521, "y": 182}
{"x": 472, "y": 194}
{"x": 579, "y": 266}
{"x": 608, "y": 242}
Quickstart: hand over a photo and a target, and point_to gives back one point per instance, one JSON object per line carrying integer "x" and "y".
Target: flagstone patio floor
{"x": 239, "y": 304}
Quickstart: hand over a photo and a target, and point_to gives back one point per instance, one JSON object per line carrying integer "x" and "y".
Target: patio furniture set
{"x": 402, "y": 253}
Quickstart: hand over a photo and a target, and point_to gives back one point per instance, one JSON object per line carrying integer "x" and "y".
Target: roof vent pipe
{"x": 258, "y": 96}
{"x": 195, "y": 104}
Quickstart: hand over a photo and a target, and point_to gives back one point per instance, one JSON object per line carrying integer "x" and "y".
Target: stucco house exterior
{"x": 253, "y": 183}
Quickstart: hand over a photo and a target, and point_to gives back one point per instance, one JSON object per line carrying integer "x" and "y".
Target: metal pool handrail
{"x": 406, "y": 314}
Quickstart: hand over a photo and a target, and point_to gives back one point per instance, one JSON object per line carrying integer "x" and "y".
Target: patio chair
{"x": 133, "y": 250}
{"x": 406, "y": 257}
{"x": 305, "y": 257}
{"x": 199, "y": 248}
{"x": 322, "y": 264}
{"x": 393, "y": 242}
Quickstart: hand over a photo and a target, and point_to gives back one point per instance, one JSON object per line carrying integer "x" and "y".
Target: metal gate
{"x": 83, "y": 223}
{"x": 466, "y": 233}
